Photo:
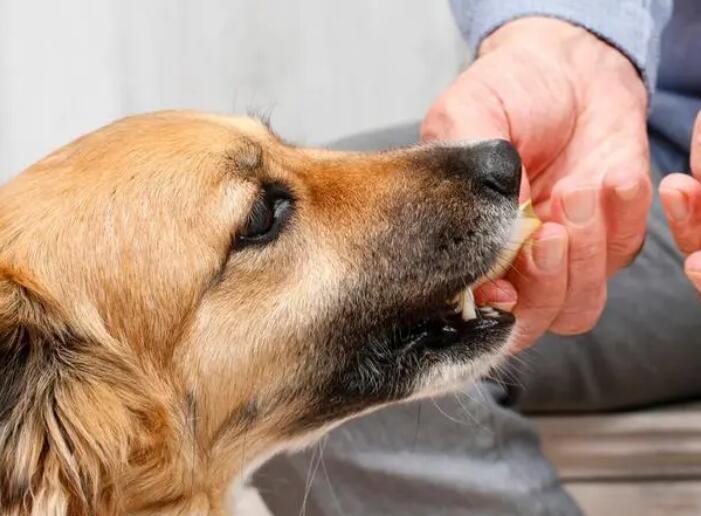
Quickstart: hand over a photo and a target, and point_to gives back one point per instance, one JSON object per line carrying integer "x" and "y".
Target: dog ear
{"x": 38, "y": 471}
{"x": 67, "y": 406}
{"x": 25, "y": 337}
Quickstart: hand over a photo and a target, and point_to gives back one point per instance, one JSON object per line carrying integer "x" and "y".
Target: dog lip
{"x": 445, "y": 330}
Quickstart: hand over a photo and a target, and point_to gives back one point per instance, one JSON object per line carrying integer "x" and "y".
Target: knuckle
{"x": 439, "y": 120}
{"x": 627, "y": 247}
{"x": 534, "y": 321}
{"x": 578, "y": 320}
{"x": 643, "y": 199}
{"x": 574, "y": 324}
{"x": 585, "y": 254}
{"x": 688, "y": 241}
{"x": 546, "y": 309}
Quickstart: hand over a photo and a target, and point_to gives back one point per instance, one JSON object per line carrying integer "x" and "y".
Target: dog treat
{"x": 526, "y": 224}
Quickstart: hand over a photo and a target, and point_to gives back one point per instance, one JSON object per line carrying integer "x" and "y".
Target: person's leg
{"x": 460, "y": 455}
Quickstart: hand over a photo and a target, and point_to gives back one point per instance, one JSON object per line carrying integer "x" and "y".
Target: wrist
{"x": 534, "y": 31}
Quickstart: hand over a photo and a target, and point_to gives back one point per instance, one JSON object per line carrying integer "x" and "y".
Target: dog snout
{"x": 497, "y": 166}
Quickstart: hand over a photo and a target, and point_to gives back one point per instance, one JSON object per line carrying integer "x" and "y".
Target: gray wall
{"x": 323, "y": 68}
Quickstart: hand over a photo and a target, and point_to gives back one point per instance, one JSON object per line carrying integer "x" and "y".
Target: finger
{"x": 578, "y": 209}
{"x": 467, "y": 110}
{"x": 539, "y": 275}
{"x": 695, "y": 158}
{"x": 681, "y": 201}
{"x": 525, "y": 191}
{"x": 464, "y": 112}
{"x": 498, "y": 293}
{"x": 627, "y": 200}
{"x": 692, "y": 268}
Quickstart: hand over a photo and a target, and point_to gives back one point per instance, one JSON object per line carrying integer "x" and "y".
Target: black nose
{"x": 497, "y": 166}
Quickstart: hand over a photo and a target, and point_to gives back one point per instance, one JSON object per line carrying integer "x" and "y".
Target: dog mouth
{"x": 448, "y": 328}
{"x": 459, "y": 321}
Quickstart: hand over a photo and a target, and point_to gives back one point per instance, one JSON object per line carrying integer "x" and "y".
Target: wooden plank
{"x": 656, "y": 444}
{"x": 638, "y": 499}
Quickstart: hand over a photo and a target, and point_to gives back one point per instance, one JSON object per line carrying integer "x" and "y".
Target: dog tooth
{"x": 469, "y": 312}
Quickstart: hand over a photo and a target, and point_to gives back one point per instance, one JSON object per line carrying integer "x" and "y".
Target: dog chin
{"x": 452, "y": 377}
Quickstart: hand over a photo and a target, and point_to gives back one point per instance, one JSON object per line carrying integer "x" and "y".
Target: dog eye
{"x": 268, "y": 216}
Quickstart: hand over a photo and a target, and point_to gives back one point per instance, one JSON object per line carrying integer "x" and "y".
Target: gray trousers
{"x": 476, "y": 453}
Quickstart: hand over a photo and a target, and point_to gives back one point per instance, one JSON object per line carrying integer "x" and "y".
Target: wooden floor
{"x": 639, "y": 464}
{"x": 668, "y": 498}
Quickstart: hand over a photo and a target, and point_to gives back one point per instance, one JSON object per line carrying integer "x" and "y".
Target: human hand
{"x": 681, "y": 200}
{"x": 575, "y": 108}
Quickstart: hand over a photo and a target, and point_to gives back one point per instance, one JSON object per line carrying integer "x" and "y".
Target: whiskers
{"x": 332, "y": 490}
{"x": 314, "y": 462}
{"x": 508, "y": 374}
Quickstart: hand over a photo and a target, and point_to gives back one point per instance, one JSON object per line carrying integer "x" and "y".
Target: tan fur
{"x": 154, "y": 375}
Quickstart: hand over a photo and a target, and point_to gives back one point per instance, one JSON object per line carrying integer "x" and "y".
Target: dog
{"x": 183, "y": 295}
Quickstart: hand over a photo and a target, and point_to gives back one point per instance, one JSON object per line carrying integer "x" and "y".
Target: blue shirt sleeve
{"x": 633, "y": 26}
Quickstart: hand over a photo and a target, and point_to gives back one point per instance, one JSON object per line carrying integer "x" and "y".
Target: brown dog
{"x": 182, "y": 295}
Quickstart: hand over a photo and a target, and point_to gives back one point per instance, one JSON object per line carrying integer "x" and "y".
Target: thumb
{"x": 467, "y": 110}
{"x": 681, "y": 200}
{"x": 525, "y": 192}
{"x": 470, "y": 110}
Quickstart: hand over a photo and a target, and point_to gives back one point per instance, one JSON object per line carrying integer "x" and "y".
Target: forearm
{"x": 632, "y": 26}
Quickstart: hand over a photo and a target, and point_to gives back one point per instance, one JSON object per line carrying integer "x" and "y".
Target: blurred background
{"x": 322, "y": 69}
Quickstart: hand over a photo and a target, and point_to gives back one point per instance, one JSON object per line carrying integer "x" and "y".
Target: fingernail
{"x": 677, "y": 205}
{"x": 579, "y": 205}
{"x": 548, "y": 253}
{"x": 628, "y": 192}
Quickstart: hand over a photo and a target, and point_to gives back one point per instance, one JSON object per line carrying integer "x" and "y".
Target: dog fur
{"x": 150, "y": 354}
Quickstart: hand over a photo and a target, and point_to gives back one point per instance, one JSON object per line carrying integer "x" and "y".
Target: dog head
{"x": 183, "y": 294}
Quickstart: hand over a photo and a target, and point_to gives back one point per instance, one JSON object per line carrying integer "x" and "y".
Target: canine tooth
{"x": 469, "y": 311}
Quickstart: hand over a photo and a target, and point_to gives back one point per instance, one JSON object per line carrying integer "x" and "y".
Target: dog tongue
{"x": 524, "y": 227}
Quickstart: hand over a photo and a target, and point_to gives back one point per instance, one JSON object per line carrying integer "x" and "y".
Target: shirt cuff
{"x": 634, "y": 27}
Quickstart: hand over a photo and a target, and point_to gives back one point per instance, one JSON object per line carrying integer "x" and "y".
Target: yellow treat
{"x": 526, "y": 224}
{"x": 524, "y": 227}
